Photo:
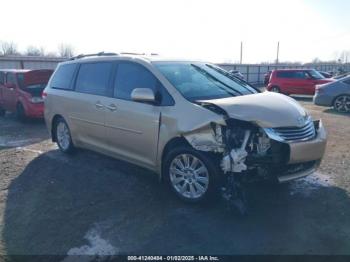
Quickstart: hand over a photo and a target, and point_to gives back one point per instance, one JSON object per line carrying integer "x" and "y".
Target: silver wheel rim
{"x": 342, "y": 104}
{"x": 63, "y": 137}
{"x": 189, "y": 176}
{"x": 275, "y": 89}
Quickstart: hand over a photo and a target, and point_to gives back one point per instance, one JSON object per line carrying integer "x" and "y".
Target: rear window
{"x": 291, "y": 74}
{"x": 93, "y": 78}
{"x": 62, "y": 79}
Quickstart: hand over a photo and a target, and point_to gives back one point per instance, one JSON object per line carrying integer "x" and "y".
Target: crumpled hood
{"x": 266, "y": 109}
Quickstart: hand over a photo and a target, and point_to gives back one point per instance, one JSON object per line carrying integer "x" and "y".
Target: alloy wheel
{"x": 189, "y": 176}
{"x": 342, "y": 104}
{"x": 63, "y": 135}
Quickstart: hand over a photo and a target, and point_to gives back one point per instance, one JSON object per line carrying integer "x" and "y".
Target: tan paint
{"x": 267, "y": 109}
{"x": 138, "y": 132}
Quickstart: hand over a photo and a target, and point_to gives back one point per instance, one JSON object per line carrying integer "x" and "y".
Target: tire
{"x": 342, "y": 104}
{"x": 63, "y": 136}
{"x": 2, "y": 112}
{"x": 275, "y": 89}
{"x": 193, "y": 181}
{"x": 20, "y": 113}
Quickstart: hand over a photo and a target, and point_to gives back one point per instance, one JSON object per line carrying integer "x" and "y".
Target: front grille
{"x": 292, "y": 134}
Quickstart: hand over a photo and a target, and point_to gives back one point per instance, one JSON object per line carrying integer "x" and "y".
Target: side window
{"x": 11, "y": 78}
{"x": 62, "y": 78}
{"x": 2, "y": 78}
{"x": 284, "y": 74}
{"x": 131, "y": 76}
{"x": 300, "y": 74}
{"x": 93, "y": 78}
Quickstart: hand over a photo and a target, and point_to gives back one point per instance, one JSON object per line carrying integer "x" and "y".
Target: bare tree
{"x": 35, "y": 51}
{"x": 316, "y": 60}
{"x": 9, "y": 48}
{"x": 65, "y": 50}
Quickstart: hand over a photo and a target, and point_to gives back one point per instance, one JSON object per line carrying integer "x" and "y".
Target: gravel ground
{"x": 91, "y": 204}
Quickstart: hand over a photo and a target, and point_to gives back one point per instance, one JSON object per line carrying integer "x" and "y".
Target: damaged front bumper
{"x": 304, "y": 156}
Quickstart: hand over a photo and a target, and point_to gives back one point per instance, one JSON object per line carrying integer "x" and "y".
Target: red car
{"x": 21, "y": 90}
{"x": 296, "y": 81}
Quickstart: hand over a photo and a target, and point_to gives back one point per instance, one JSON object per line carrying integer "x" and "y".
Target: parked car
{"x": 326, "y": 74}
{"x": 335, "y": 94}
{"x": 190, "y": 122}
{"x": 341, "y": 76}
{"x": 295, "y": 81}
{"x": 267, "y": 78}
{"x": 20, "y": 92}
{"x": 236, "y": 73}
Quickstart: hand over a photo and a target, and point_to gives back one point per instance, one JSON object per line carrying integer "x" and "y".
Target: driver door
{"x": 9, "y": 93}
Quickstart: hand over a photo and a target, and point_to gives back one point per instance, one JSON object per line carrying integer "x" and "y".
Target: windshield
{"x": 315, "y": 74}
{"x": 200, "y": 81}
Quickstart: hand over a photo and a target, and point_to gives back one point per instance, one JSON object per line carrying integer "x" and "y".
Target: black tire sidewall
{"x": 70, "y": 148}
{"x": 336, "y": 108}
{"x": 208, "y": 161}
{"x": 276, "y": 88}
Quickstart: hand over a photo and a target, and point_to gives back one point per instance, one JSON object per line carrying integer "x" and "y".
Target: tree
{"x": 35, "y": 51}
{"x": 65, "y": 50}
{"x": 9, "y": 48}
{"x": 316, "y": 60}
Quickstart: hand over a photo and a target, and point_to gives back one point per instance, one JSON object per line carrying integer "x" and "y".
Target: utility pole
{"x": 278, "y": 51}
{"x": 241, "y": 52}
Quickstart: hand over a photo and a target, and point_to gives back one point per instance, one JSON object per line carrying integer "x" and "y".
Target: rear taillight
{"x": 319, "y": 89}
{"x": 43, "y": 94}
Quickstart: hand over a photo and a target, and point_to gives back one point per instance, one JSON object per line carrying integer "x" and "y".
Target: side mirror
{"x": 143, "y": 95}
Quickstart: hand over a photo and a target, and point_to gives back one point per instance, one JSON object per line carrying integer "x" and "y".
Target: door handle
{"x": 99, "y": 105}
{"x": 112, "y": 107}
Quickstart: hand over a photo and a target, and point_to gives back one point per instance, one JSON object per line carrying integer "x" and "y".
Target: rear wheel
{"x": 63, "y": 136}
{"x": 191, "y": 174}
{"x": 342, "y": 104}
{"x": 20, "y": 112}
{"x": 275, "y": 89}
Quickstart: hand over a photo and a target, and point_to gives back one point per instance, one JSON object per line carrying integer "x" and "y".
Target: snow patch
{"x": 93, "y": 251}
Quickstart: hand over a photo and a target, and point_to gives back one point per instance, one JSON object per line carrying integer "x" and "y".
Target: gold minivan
{"x": 191, "y": 122}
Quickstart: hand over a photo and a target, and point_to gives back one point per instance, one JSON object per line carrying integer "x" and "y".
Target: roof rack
{"x": 131, "y": 53}
{"x": 97, "y": 54}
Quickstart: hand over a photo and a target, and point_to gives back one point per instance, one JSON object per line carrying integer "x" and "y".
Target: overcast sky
{"x": 202, "y": 29}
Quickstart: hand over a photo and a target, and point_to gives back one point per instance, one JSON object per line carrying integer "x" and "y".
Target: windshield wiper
{"x": 201, "y": 70}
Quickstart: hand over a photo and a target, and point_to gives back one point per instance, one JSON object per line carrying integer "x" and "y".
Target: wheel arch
{"x": 339, "y": 96}
{"x": 53, "y": 123}
{"x": 172, "y": 143}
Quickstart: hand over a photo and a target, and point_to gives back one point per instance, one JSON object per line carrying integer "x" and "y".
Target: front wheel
{"x": 63, "y": 136}
{"x": 191, "y": 174}
{"x": 342, "y": 104}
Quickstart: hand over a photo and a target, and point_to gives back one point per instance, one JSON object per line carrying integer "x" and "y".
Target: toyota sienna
{"x": 190, "y": 122}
